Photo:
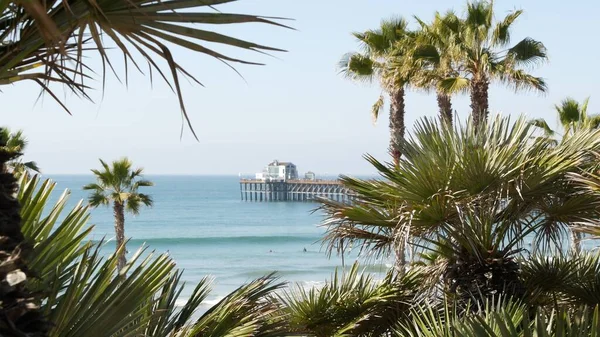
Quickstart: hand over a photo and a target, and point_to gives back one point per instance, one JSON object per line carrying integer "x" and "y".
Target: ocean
{"x": 207, "y": 229}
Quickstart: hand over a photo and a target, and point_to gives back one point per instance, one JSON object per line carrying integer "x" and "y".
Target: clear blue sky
{"x": 295, "y": 108}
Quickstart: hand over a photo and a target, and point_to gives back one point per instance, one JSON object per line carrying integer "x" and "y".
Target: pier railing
{"x": 293, "y": 190}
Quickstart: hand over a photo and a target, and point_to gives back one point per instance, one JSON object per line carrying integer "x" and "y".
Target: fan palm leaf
{"x": 50, "y": 46}
{"x": 352, "y": 303}
{"x": 472, "y": 197}
{"x": 17, "y": 142}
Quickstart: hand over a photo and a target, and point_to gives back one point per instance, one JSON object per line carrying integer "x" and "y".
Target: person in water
{"x": 305, "y": 249}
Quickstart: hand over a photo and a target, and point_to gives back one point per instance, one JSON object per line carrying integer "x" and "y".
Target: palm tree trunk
{"x": 397, "y": 129}
{"x": 19, "y": 313}
{"x": 400, "y": 255}
{"x": 396, "y": 123}
{"x": 576, "y": 238}
{"x": 479, "y": 101}
{"x": 445, "y": 104}
{"x": 119, "y": 213}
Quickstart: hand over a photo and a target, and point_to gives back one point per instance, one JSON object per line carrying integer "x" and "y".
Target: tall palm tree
{"x": 482, "y": 52}
{"x": 119, "y": 184}
{"x": 17, "y": 142}
{"x": 432, "y": 57}
{"x": 383, "y": 48}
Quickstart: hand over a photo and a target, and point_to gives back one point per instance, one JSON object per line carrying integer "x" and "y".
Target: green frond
{"x": 520, "y": 80}
{"x": 33, "y": 166}
{"x": 394, "y": 29}
{"x": 454, "y": 85}
{"x": 501, "y": 34}
{"x": 584, "y": 106}
{"x": 358, "y": 67}
{"x": 57, "y": 54}
{"x": 244, "y": 312}
{"x": 593, "y": 121}
{"x": 98, "y": 198}
{"x": 141, "y": 183}
{"x": 528, "y": 52}
{"x": 569, "y": 111}
{"x": 479, "y": 15}
{"x": 352, "y": 303}
{"x": 134, "y": 202}
{"x": 427, "y": 53}
{"x": 542, "y": 124}
{"x": 16, "y": 143}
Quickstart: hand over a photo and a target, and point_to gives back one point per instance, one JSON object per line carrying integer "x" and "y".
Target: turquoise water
{"x": 208, "y": 230}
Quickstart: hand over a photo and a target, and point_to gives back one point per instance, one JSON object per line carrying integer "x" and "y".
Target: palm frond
{"x": 520, "y": 80}
{"x": 352, "y": 303}
{"x": 542, "y": 124}
{"x": 501, "y": 34}
{"x": 244, "y": 312}
{"x": 145, "y": 26}
{"x": 454, "y": 85}
{"x": 528, "y": 52}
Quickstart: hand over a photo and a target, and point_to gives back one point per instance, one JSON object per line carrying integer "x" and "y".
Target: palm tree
{"x": 20, "y": 315}
{"x": 119, "y": 184}
{"x": 17, "y": 143}
{"x": 49, "y": 43}
{"x": 468, "y": 197}
{"x": 76, "y": 285}
{"x": 572, "y": 116}
{"x": 383, "y": 48}
{"x": 480, "y": 48}
{"x": 432, "y": 58}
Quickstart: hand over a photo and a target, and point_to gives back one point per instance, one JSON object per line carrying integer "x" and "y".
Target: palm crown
{"x": 480, "y": 47}
{"x": 431, "y": 59}
{"x": 119, "y": 183}
{"x": 17, "y": 143}
{"x": 572, "y": 116}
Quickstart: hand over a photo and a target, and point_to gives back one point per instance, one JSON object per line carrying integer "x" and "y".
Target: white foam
{"x": 213, "y": 301}
{"x": 180, "y": 302}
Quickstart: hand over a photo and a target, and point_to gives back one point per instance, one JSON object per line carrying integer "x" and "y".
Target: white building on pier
{"x": 278, "y": 171}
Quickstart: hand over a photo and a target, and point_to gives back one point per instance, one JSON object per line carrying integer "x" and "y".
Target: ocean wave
{"x": 180, "y": 302}
{"x": 363, "y": 267}
{"x": 222, "y": 240}
{"x": 252, "y": 274}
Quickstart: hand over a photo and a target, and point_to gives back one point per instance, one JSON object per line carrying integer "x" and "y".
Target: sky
{"x": 296, "y": 107}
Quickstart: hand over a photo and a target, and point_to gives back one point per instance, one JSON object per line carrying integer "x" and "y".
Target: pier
{"x": 292, "y": 190}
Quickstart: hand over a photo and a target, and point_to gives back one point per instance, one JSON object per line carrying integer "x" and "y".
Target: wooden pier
{"x": 292, "y": 190}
